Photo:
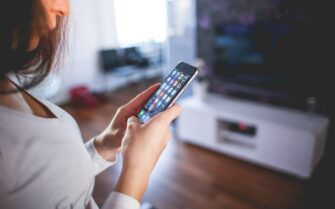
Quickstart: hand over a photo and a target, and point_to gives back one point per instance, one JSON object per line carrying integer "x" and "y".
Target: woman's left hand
{"x": 108, "y": 143}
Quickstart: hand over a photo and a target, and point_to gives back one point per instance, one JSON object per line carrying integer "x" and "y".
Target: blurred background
{"x": 257, "y": 124}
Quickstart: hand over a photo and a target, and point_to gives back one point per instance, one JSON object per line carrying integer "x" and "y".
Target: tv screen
{"x": 278, "y": 60}
{"x": 264, "y": 55}
{"x": 110, "y": 59}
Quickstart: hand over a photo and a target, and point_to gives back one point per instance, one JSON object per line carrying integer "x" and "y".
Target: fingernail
{"x": 129, "y": 121}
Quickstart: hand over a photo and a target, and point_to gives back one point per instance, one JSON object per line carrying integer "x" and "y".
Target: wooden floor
{"x": 190, "y": 177}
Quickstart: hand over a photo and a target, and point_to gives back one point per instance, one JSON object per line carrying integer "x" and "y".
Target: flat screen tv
{"x": 278, "y": 61}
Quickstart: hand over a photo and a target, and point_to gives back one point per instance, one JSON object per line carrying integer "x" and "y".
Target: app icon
{"x": 171, "y": 81}
{"x": 181, "y": 76}
{"x": 184, "y": 79}
{"x": 163, "y": 105}
{"x": 166, "y": 88}
{"x": 161, "y": 94}
{"x": 161, "y": 108}
{"x": 168, "y": 99}
{"x": 178, "y": 86}
{"x": 146, "y": 118}
{"x": 173, "y": 92}
{"x": 151, "y": 107}
{"x": 156, "y": 100}
{"x": 142, "y": 116}
{"x": 164, "y": 97}
{"x": 175, "y": 83}
{"x": 159, "y": 103}
{"x": 170, "y": 89}
{"x": 163, "y": 85}
{"x": 168, "y": 79}
{"x": 151, "y": 100}
{"x": 142, "y": 112}
{"x": 158, "y": 91}
{"x": 174, "y": 72}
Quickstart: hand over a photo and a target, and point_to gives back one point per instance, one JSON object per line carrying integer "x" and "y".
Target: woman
{"x": 43, "y": 162}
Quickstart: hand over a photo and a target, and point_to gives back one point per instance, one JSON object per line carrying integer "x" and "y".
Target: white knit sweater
{"x": 44, "y": 163}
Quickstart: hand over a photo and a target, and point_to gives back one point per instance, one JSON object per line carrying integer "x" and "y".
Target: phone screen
{"x": 169, "y": 91}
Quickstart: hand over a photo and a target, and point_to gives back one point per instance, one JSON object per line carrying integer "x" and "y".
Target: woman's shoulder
{"x": 22, "y": 125}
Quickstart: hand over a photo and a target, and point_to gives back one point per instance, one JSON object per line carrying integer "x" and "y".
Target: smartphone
{"x": 169, "y": 91}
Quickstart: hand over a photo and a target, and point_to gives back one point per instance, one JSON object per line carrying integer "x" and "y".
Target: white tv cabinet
{"x": 286, "y": 140}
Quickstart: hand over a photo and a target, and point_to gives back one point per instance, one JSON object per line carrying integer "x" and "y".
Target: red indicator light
{"x": 242, "y": 127}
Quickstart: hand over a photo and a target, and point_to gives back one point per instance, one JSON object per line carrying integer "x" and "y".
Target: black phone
{"x": 169, "y": 91}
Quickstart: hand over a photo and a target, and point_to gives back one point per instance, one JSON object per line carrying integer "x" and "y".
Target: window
{"x": 140, "y": 21}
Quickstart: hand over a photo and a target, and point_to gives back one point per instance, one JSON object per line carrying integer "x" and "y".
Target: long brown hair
{"x": 21, "y": 20}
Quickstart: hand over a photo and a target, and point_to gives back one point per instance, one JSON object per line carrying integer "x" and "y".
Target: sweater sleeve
{"x": 3, "y": 184}
{"x": 99, "y": 163}
{"x": 115, "y": 200}
{"x": 118, "y": 200}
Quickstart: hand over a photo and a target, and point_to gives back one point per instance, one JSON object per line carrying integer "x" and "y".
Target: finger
{"x": 138, "y": 102}
{"x": 167, "y": 136}
{"x": 133, "y": 123}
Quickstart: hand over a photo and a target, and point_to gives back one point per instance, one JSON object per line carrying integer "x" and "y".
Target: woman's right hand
{"x": 141, "y": 148}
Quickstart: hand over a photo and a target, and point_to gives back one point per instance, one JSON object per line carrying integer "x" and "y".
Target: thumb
{"x": 133, "y": 123}
{"x": 171, "y": 113}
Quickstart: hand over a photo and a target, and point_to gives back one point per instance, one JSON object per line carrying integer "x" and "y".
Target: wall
{"x": 91, "y": 27}
{"x": 182, "y": 32}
